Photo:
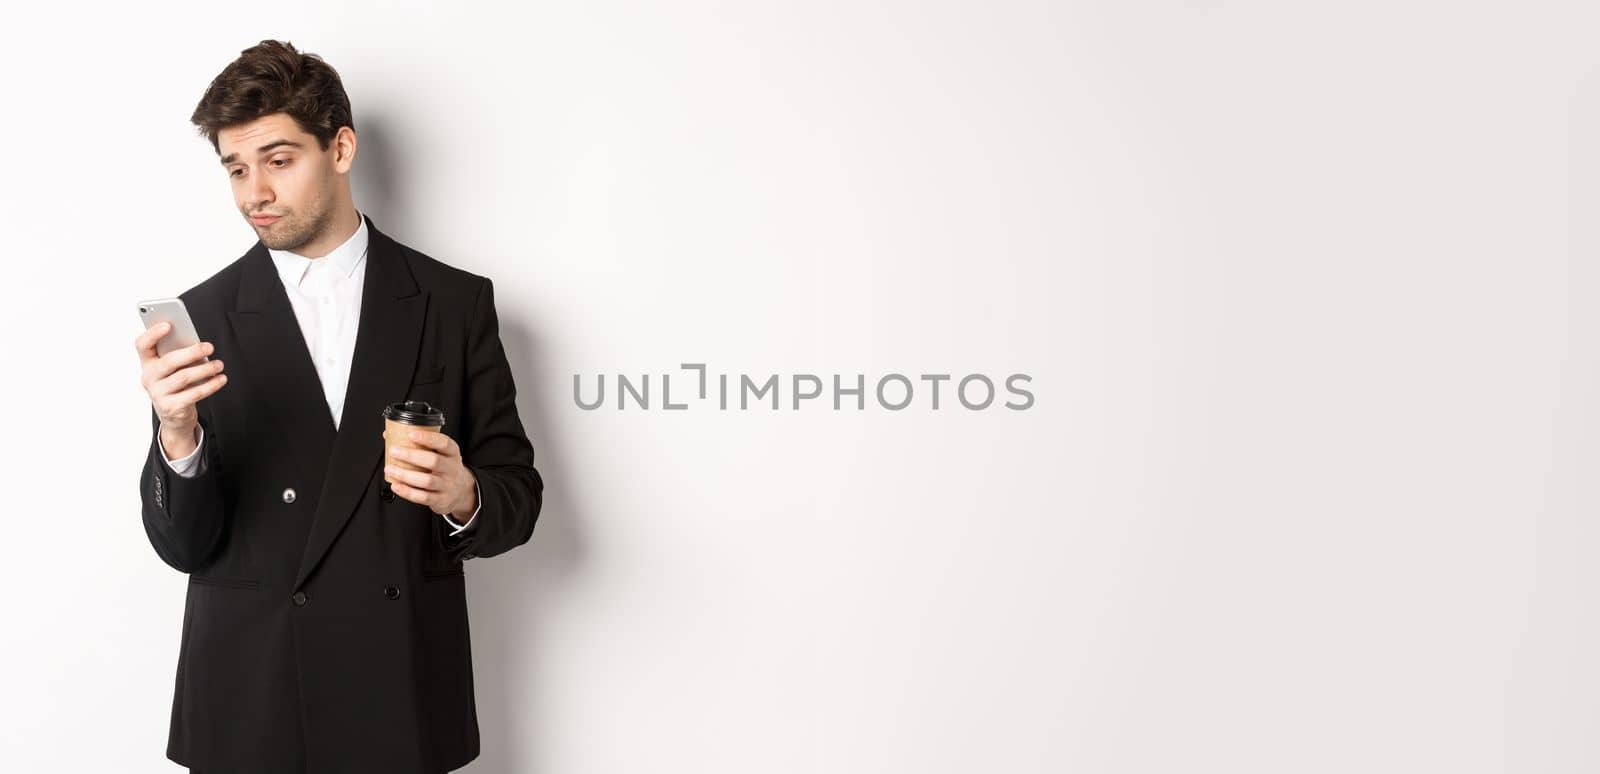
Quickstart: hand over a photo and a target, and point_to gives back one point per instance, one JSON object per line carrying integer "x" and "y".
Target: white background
{"x": 1306, "y": 291}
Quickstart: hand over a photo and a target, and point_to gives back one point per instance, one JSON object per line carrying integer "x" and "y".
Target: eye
{"x": 285, "y": 162}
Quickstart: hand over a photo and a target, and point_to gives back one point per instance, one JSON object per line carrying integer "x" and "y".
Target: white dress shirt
{"x": 326, "y": 296}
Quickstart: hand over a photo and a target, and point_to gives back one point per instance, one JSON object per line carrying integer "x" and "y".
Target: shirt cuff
{"x": 187, "y": 466}
{"x": 460, "y": 527}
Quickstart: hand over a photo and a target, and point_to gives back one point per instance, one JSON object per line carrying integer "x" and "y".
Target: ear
{"x": 344, "y": 149}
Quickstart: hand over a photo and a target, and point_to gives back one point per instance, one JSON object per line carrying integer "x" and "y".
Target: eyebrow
{"x": 232, "y": 157}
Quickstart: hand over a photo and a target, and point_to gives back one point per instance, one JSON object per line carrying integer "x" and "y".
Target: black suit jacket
{"x": 325, "y": 629}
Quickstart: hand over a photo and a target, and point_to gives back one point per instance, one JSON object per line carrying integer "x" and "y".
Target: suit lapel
{"x": 388, "y": 337}
{"x": 274, "y": 350}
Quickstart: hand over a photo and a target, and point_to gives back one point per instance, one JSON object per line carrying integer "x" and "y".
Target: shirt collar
{"x": 292, "y": 266}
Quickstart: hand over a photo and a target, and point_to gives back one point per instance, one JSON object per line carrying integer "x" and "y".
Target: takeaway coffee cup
{"x": 399, "y": 419}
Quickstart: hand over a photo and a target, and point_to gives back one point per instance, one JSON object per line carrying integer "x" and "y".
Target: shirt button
{"x": 288, "y": 495}
{"x": 299, "y": 599}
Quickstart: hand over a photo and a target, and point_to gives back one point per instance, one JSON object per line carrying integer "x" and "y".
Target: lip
{"x": 264, "y": 220}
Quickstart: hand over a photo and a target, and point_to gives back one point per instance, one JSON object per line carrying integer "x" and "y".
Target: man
{"x": 325, "y": 627}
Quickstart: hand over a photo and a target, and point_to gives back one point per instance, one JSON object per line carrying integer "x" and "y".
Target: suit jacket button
{"x": 386, "y": 494}
{"x": 299, "y": 599}
{"x": 288, "y": 495}
{"x": 391, "y": 591}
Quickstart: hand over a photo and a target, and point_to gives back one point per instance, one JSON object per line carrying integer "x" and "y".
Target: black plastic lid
{"x": 414, "y": 412}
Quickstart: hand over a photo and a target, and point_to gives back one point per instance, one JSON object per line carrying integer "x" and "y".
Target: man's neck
{"x": 345, "y": 222}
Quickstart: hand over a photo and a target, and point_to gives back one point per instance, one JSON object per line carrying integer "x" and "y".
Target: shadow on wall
{"x": 511, "y": 595}
{"x": 375, "y": 182}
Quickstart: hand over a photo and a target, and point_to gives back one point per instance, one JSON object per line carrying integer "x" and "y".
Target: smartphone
{"x": 173, "y": 311}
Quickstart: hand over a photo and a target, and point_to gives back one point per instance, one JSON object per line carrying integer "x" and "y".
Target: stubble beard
{"x": 292, "y": 231}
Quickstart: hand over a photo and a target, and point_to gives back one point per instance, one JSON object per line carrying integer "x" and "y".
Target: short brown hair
{"x": 273, "y": 77}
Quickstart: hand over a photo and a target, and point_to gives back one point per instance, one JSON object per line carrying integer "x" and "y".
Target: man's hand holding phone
{"x": 175, "y": 382}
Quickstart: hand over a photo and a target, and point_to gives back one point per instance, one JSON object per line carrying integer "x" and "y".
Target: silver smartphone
{"x": 173, "y": 311}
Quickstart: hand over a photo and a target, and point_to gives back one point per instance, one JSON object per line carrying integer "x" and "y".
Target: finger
{"x": 162, "y": 367}
{"x": 422, "y": 458}
{"x": 432, "y": 440}
{"x": 208, "y": 387}
{"x": 418, "y": 496}
{"x": 145, "y": 343}
{"x": 183, "y": 356}
{"x": 418, "y": 479}
{"x": 189, "y": 376}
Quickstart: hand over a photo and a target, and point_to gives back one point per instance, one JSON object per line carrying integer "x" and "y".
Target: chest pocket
{"x": 428, "y": 375}
{"x": 425, "y": 386}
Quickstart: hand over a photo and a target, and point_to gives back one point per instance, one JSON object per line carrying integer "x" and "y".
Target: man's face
{"x": 283, "y": 182}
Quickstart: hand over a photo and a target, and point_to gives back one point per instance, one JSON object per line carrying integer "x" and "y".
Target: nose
{"x": 258, "y": 192}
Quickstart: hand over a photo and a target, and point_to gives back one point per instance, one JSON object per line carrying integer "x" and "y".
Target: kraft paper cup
{"x": 399, "y": 419}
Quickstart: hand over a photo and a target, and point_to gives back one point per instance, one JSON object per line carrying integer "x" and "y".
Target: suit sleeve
{"x": 494, "y": 446}
{"x": 183, "y": 515}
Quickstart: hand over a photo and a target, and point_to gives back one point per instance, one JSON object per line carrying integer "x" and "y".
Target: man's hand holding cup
{"x": 424, "y": 465}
